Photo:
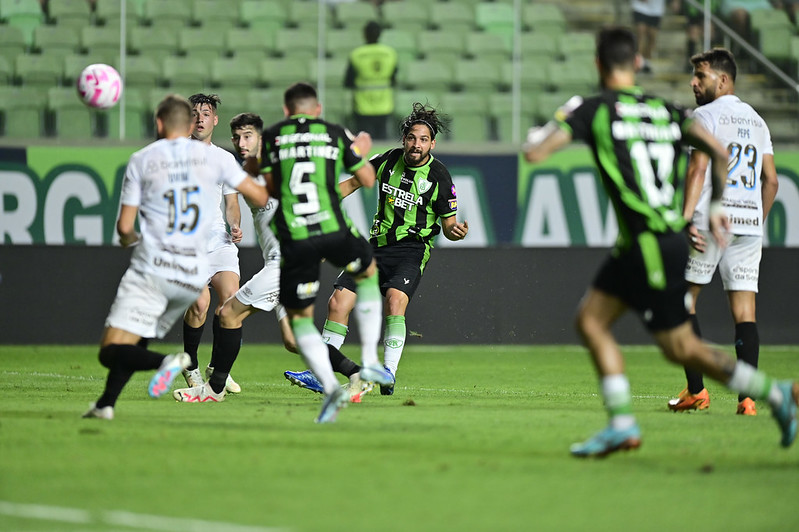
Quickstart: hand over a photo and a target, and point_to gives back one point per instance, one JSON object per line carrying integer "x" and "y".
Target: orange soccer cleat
{"x": 688, "y": 401}
{"x": 747, "y": 407}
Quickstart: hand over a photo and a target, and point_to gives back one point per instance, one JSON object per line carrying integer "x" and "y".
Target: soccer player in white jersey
{"x": 166, "y": 185}
{"x": 261, "y": 293}
{"x": 223, "y": 254}
{"x": 748, "y": 197}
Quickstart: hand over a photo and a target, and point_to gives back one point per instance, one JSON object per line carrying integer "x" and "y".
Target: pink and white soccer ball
{"x": 99, "y": 86}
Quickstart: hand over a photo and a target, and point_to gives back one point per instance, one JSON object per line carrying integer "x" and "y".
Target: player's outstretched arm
{"x": 454, "y": 230}
{"x": 254, "y": 192}
{"x": 543, "y": 141}
{"x": 348, "y": 186}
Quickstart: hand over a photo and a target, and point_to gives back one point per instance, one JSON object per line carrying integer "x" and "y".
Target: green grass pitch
{"x": 475, "y": 438}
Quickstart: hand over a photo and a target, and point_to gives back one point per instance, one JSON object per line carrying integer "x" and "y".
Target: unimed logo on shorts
{"x": 307, "y": 290}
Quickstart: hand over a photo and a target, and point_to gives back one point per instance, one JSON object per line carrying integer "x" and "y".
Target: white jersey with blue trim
{"x": 738, "y": 127}
{"x": 173, "y": 184}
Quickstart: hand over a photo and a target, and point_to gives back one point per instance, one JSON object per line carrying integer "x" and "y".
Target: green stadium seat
{"x": 452, "y": 16}
{"x": 279, "y": 73}
{"x": 182, "y": 72}
{"x": 158, "y": 42}
{"x": 479, "y": 75}
{"x": 488, "y": 46}
{"x": 56, "y": 40}
{"x": 340, "y": 42}
{"x": 24, "y": 15}
{"x": 41, "y": 70}
{"x": 107, "y": 12}
{"x": 196, "y": 42}
{"x": 469, "y": 113}
{"x": 500, "y": 108}
{"x": 404, "y": 100}
{"x": 534, "y": 74}
{"x": 573, "y": 76}
{"x": 234, "y": 72}
{"x": 337, "y": 106}
{"x": 297, "y": 43}
{"x": 403, "y": 42}
{"x": 99, "y": 38}
{"x": 496, "y": 17}
{"x": 265, "y": 15}
{"x": 441, "y": 45}
{"x": 305, "y": 14}
{"x": 73, "y": 64}
{"x": 6, "y": 71}
{"x": 429, "y": 74}
{"x": 574, "y": 44}
{"x": 543, "y": 18}
{"x": 251, "y": 44}
{"x": 547, "y": 103}
{"x": 775, "y": 43}
{"x": 355, "y": 15}
{"x": 407, "y": 16}
{"x": 267, "y": 103}
{"x": 72, "y": 120}
{"x": 173, "y": 14}
{"x": 12, "y": 43}
{"x": 22, "y": 112}
{"x": 142, "y": 71}
{"x": 75, "y": 13}
{"x": 534, "y": 45}
{"x": 218, "y": 14}
{"x": 234, "y": 101}
{"x": 333, "y": 72}
{"x": 137, "y": 115}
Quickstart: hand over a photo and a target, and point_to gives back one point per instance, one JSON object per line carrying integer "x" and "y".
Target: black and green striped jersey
{"x": 306, "y": 156}
{"x": 410, "y": 199}
{"x": 637, "y": 141}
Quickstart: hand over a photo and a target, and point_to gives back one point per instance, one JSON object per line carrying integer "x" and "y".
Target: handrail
{"x": 754, "y": 52}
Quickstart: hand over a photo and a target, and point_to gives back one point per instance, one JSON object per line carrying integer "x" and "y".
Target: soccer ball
{"x": 99, "y": 86}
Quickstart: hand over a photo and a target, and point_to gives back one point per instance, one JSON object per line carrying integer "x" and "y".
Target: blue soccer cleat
{"x": 332, "y": 404}
{"x": 785, "y": 413}
{"x": 607, "y": 441}
{"x": 304, "y": 379}
{"x": 381, "y": 376}
{"x": 388, "y": 389}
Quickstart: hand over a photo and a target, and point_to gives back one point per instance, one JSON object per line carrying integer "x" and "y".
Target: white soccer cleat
{"x": 193, "y": 377}
{"x": 170, "y": 368}
{"x": 198, "y": 394}
{"x": 231, "y": 386}
{"x": 358, "y": 387}
{"x": 106, "y": 412}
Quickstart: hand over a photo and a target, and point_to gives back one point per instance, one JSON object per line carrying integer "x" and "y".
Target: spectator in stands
{"x": 694, "y": 27}
{"x": 371, "y": 74}
{"x": 791, "y": 7}
{"x": 736, "y": 13}
{"x": 647, "y": 15}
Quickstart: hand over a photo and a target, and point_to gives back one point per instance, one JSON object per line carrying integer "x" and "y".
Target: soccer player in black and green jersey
{"x": 302, "y": 157}
{"x": 416, "y": 202}
{"x": 637, "y": 143}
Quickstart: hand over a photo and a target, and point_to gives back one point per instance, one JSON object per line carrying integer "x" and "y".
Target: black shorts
{"x": 399, "y": 266}
{"x": 647, "y": 20}
{"x": 299, "y": 268}
{"x": 650, "y": 278}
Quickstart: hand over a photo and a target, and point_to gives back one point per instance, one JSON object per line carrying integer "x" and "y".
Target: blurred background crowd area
{"x": 496, "y": 67}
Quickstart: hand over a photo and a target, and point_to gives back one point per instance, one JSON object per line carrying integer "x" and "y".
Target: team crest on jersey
{"x": 423, "y": 186}
{"x": 453, "y": 205}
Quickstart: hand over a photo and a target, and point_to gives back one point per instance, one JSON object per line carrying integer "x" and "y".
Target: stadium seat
{"x": 251, "y": 44}
{"x": 337, "y": 105}
{"x": 158, "y": 43}
{"x": 469, "y": 114}
{"x": 496, "y": 17}
{"x": 56, "y": 40}
{"x": 75, "y": 13}
{"x": 534, "y": 45}
{"x": 218, "y": 14}
{"x": 573, "y": 76}
{"x": 25, "y": 15}
{"x": 403, "y": 42}
{"x": 142, "y": 71}
{"x": 22, "y": 110}
{"x": 137, "y": 115}
{"x": 196, "y": 42}
{"x": 279, "y": 73}
{"x": 186, "y": 72}
{"x": 355, "y": 15}
{"x": 267, "y": 103}
{"x": 775, "y": 43}
{"x": 234, "y": 101}
{"x": 534, "y": 74}
{"x": 98, "y": 38}
{"x": 41, "y": 70}
{"x": 407, "y": 16}
{"x": 488, "y": 46}
{"x": 107, "y": 12}
{"x": 12, "y": 43}
{"x": 333, "y": 72}
{"x": 6, "y": 71}
{"x": 452, "y": 16}
{"x": 543, "y": 18}
{"x": 72, "y": 120}
{"x": 234, "y": 72}
{"x": 573, "y": 45}
{"x": 547, "y": 103}
{"x": 404, "y": 100}
{"x": 305, "y": 14}
{"x": 299, "y": 43}
{"x": 73, "y": 64}
{"x": 173, "y": 14}
{"x": 500, "y": 108}
{"x": 441, "y": 45}
{"x": 339, "y": 43}
{"x": 429, "y": 74}
{"x": 265, "y": 15}
{"x": 479, "y": 75}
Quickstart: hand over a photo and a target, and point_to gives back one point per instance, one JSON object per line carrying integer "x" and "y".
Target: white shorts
{"x": 149, "y": 305}
{"x": 263, "y": 290}
{"x": 223, "y": 259}
{"x": 738, "y": 263}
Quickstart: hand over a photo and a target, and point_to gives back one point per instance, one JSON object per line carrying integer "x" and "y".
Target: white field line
{"x": 122, "y": 518}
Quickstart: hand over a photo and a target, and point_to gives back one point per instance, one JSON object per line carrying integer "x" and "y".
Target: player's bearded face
{"x": 247, "y": 141}
{"x": 417, "y": 144}
{"x": 704, "y": 83}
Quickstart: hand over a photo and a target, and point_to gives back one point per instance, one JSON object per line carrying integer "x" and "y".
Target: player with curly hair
{"x": 416, "y": 201}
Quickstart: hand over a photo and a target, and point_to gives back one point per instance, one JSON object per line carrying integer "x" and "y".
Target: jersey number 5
{"x": 183, "y": 214}
{"x": 300, "y": 184}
